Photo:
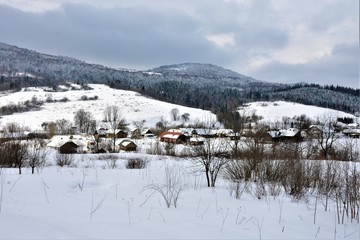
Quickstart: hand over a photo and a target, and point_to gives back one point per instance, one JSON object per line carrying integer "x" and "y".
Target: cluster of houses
{"x": 124, "y": 141}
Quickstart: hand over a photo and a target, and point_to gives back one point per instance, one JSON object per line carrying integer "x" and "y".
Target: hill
{"x": 204, "y": 86}
{"x": 134, "y": 107}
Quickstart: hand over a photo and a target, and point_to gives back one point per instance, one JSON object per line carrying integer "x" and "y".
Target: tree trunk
{"x": 207, "y": 178}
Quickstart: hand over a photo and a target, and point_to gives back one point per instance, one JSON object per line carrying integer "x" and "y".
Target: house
{"x": 119, "y": 133}
{"x": 201, "y": 132}
{"x": 146, "y": 131}
{"x": 69, "y": 147}
{"x": 352, "y": 133}
{"x": 127, "y": 145}
{"x": 173, "y": 137}
{"x": 101, "y": 132}
{"x": 196, "y": 141}
{"x": 282, "y": 135}
{"x": 135, "y": 133}
{"x": 69, "y": 144}
{"x": 225, "y": 133}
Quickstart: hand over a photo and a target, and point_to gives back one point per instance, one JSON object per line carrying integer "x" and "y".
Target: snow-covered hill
{"x": 275, "y": 111}
{"x": 134, "y": 107}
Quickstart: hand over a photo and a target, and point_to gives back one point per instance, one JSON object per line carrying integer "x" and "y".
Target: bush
{"x": 64, "y": 159}
{"x": 136, "y": 163}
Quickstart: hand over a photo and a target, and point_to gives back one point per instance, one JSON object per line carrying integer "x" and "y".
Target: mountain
{"x": 208, "y": 71}
{"x": 204, "y": 86}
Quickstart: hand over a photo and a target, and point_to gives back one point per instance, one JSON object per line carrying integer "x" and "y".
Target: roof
{"x": 171, "y": 135}
{"x": 126, "y": 143}
{"x": 59, "y": 140}
{"x": 145, "y": 131}
{"x": 291, "y": 132}
{"x": 197, "y": 139}
{"x": 111, "y": 131}
{"x": 204, "y": 132}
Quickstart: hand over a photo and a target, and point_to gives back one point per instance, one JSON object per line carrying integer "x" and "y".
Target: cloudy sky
{"x": 283, "y": 41}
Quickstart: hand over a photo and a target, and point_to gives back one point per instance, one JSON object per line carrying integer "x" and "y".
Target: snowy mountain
{"x": 204, "y": 86}
{"x": 206, "y": 71}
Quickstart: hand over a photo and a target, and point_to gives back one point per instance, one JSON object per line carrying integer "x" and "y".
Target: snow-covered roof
{"x": 111, "y": 131}
{"x": 204, "y": 132}
{"x": 59, "y": 140}
{"x": 227, "y": 132}
{"x": 171, "y": 135}
{"x": 197, "y": 139}
{"x": 126, "y": 143}
{"x": 291, "y": 132}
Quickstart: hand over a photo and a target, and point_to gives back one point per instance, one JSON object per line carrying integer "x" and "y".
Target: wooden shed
{"x": 69, "y": 147}
{"x": 128, "y": 146}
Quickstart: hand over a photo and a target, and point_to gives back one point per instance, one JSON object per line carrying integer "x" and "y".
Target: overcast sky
{"x": 284, "y": 41}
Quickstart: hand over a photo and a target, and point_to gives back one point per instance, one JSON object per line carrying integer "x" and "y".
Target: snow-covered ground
{"x": 133, "y": 106}
{"x": 93, "y": 201}
{"x": 275, "y": 111}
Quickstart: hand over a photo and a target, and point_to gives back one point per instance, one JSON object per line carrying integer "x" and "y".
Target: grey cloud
{"x": 119, "y": 36}
{"x": 144, "y": 34}
{"x": 339, "y": 68}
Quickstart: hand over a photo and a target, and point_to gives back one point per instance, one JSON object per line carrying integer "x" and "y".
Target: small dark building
{"x": 173, "y": 137}
{"x": 69, "y": 147}
{"x": 128, "y": 146}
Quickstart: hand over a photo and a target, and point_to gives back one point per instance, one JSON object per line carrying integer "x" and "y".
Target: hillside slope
{"x": 204, "y": 86}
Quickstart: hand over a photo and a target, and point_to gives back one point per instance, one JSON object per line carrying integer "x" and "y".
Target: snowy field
{"x": 133, "y": 106}
{"x": 275, "y": 111}
{"x": 93, "y": 201}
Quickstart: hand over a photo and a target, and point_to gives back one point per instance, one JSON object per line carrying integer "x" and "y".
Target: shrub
{"x": 64, "y": 159}
{"x": 136, "y": 163}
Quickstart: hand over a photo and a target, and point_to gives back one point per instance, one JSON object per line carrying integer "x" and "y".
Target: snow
{"x": 275, "y": 111}
{"x": 56, "y": 203}
{"x": 134, "y": 107}
{"x": 52, "y": 205}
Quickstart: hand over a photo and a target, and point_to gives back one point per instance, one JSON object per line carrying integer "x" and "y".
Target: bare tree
{"x": 140, "y": 126}
{"x": 327, "y": 135}
{"x": 83, "y": 120}
{"x": 12, "y": 129}
{"x": 174, "y": 114}
{"x": 211, "y": 157}
{"x": 64, "y": 126}
{"x": 113, "y": 115}
{"x": 37, "y": 155}
{"x": 51, "y": 128}
{"x": 236, "y": 121}
{"x": 185, "y": 117}
{"x": 18, "y": 153}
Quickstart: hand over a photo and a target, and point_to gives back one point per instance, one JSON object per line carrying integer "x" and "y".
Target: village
{"x": 108, "y": 140}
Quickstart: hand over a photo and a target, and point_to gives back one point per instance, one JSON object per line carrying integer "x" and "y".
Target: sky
{"x": 284, "y": 41}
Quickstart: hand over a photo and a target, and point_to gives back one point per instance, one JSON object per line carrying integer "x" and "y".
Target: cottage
{"x": 352, "y": 133}
{"x": 201, "y": 132}
{"x": 173, "y": 137}
{"x": 127, "y": 145}
{"x": 282, "y": 135}
{"x": 226, "y": 133}
{"x": 69, "y": 147}
{"x": 101, "y": 132}
{"x": 196, "y": 141}
{"x": 119, "y": 133}
{"x": 68, "y": 144}
{"x": 146, "y": 131}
